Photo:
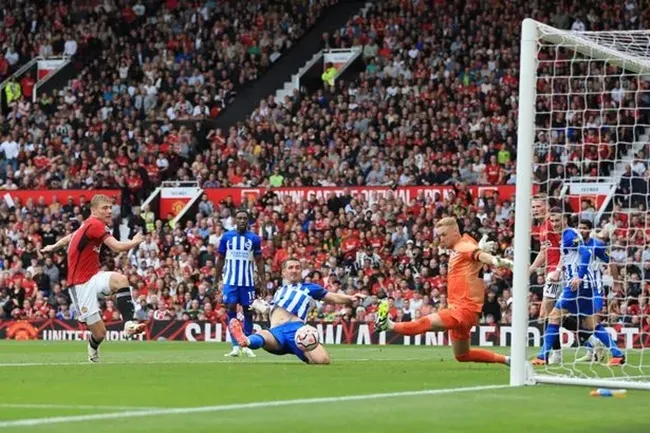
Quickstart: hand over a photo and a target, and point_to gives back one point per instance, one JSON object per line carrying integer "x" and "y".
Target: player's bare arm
{"x": 261, "y": 275}
{"x": 540, "y": 260}
{"x": 221, "y": 261}
{"x": 342, "y": 299}
{"x": 123, "y": 246}
{"x": 59, "y": 244}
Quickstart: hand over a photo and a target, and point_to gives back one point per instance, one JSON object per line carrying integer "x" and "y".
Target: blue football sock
{"x": 604, "y": 337}
{"x": 248, "y": 324}
{"x": 255, "y": 341}
{"x": 232, "y": 315}
{"x": 551, "y": 335}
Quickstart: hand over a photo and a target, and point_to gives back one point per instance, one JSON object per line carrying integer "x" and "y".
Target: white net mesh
{"x": 592, "y": 121}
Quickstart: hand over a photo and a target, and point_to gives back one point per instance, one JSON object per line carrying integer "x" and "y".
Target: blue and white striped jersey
{"x": 576, "y": 259}
{"x": 239, "y": 251}
{"x": 298, "y": 299}
{"x": 599, "y": 257}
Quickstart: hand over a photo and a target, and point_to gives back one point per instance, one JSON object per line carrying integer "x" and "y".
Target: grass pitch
{"x": 179, "y": 387}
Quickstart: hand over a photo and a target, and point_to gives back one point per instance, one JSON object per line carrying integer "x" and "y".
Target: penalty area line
{"x": 229, "y": 407}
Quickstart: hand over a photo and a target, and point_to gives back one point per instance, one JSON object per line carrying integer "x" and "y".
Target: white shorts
{"x": 84, "y": 296}
{"x": 552, "y": 290}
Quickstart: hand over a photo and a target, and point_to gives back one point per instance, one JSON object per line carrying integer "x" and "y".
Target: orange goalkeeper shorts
{"x": 459, "y": 322}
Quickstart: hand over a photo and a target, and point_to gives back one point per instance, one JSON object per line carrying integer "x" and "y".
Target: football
{"x": 307, "y": 338}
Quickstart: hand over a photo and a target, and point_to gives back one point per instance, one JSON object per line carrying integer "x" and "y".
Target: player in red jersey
{"x": 86, "y": 281}
{"x": 550, "y": 234}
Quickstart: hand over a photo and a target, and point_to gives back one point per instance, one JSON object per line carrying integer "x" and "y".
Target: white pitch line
{"x": 70, "y": 406}
{"x": 214, "y": 361}
{"x": 229, "y": 407}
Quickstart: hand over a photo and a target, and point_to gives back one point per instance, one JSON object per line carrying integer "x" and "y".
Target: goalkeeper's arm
{"x": 492, "y": 260}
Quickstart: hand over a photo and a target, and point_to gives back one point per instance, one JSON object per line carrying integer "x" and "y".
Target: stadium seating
{"x": 434, "y": 105}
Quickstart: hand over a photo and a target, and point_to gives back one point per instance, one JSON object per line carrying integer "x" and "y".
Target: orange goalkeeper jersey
{"x": 464, "y": 288}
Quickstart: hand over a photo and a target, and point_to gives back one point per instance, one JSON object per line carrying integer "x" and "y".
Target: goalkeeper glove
{"x": 500, "y": 262}
{"x": 487, "y": 246}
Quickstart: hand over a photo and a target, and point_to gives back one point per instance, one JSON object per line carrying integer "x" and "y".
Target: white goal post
{"x": 564, "y": 72}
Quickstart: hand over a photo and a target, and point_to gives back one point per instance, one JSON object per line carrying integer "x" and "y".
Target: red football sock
{"x": 480, "y": 355}
{"x": 416, "y": 327}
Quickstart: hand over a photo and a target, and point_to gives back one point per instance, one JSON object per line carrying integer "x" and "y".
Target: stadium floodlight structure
{"x": 578, "y": 90}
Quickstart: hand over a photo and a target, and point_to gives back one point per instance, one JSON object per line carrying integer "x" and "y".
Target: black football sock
{"x": 125, "y": 303}
{"x": 94, "y": 343}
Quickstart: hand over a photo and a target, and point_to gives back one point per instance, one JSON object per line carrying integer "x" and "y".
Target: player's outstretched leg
{"x": 464, "y": 353}
{"x": 458, "y": 322}
{"x": 124, "y": 299}
{"x": 237, "y": 333}
{"x": 383, "y": 322}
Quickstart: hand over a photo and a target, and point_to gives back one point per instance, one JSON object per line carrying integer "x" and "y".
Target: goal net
{"x": 584, "y": 120}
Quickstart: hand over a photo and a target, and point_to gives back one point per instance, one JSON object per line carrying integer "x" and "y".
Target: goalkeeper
{"x": 465, "y": 295}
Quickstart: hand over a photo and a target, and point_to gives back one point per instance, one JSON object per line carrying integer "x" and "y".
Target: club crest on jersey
{"x": 248, "y": 245}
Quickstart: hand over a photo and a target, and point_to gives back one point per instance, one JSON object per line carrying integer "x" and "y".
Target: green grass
{"x": 185, "y": 375}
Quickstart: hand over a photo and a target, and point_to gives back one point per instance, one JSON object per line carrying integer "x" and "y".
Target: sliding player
{"x": 465, "y": 295}
{"x": 549, "y": 256}
{"x": 577, "y": 298}
{"x": 87, "y": 281}
{"x": 287, "y": 313}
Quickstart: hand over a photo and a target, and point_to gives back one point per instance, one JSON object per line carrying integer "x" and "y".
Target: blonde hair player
{"x": 465, "y": 295}
{"x": 87, "y": 282}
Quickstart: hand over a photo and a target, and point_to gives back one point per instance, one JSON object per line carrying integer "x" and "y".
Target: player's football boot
{"x": 237, "y": 332}
{"x": 616, "y": 360}
{"x": 555, "y": 357}
{"x": 234, "y": 353}
{"x": 248, "y": 352}
{"x": 592, "y": 355}
{"x": 538, "y": 362}
{"x": 93, "y": 354}
{"x": 133, "y": 328}
{"x": 381, "y": 321}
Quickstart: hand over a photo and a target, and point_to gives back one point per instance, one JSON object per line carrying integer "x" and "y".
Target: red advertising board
{"x": 372, "y": 193}
{"x": 61, "y": 195}
{"x": 354, "y": 333}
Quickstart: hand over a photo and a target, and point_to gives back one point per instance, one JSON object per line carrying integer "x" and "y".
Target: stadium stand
{"x": 435, "y": 104}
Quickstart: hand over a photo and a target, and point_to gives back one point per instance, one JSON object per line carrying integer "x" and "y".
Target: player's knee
{"x": 463, "y": 357}
{"x": 99, "y": 335}
{"x": 119, "y": 281}
{"x": 232, "y": 308}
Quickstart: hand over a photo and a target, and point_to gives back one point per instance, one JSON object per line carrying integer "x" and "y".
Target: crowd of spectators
{"x": 435, "y": 104}
{"x": 64, "y": 27}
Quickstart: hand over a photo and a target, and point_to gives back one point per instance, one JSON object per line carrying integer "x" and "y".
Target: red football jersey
{"x": 83, "y": 251}
{"x": 548, "y": 234}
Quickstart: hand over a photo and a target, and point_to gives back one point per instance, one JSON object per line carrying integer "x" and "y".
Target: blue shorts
{"x": 241, "y": 295}
{"x": 579, "y": 302}
{"x": 599, "y": 301}
{"x": 285, "y": 335}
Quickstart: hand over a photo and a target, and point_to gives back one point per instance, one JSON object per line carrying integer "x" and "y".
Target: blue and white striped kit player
{"x": 599, "y": 258}
{"x": 240, "y": 250}
{"x": 578, "y": 263}
{"x": 240, "y": 258}
{"x": 298, "y": 299}
{"x": 288, "y": 312}
{"x": 575, "y": 262}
